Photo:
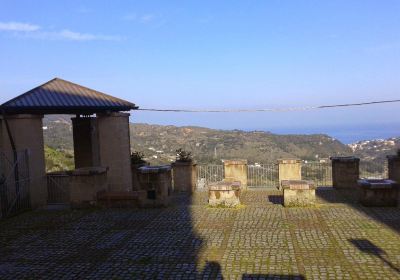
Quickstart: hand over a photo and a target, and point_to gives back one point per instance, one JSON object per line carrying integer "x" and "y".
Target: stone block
{"x": 185, "y": 176}
{"x": 236, "y": 171}
{"x": 289, "y": 169}
{"x": 298, "y": 193}
{"x": 378, "y": 192}
{"x": 345, "y": 172}
{"x": 225, "y": 194}
{"x": 156, "y": 182}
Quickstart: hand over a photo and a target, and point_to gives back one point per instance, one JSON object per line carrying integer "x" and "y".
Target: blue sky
{"x": 215, "y": 54}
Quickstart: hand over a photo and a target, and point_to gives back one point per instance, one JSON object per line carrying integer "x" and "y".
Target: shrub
{"x": 137, "y": 158}
{"x": 183, "y": 156}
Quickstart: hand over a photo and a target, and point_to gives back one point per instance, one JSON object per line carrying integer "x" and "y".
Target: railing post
{"x": 289, "y": 169}
{"x": 236, "y": 170}
{"x": 345, "y": 172}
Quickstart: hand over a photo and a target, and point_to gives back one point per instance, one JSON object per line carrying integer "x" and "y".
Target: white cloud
{"x": 27, "y": 30}
{"x": 18, "y": 26}
{"x": 145, "y": 18}
{"x": 69, "y": 35}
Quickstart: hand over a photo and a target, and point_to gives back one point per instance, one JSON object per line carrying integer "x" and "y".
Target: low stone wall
{"x": 378, "y": 192}
{"x": 298, "y": 193}
{"x": 80, "y": 186}
{"x": 225, "y": 194}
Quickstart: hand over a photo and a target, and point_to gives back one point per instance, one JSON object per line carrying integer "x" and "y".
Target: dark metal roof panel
{"x": 60, "y": 96}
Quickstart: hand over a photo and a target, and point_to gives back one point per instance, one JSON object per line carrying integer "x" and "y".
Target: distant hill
{"x": 375, "y": 150}
{"x": 159, "y": 143}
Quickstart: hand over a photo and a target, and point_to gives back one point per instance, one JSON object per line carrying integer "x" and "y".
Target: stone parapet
{"x": 378, "y": 192}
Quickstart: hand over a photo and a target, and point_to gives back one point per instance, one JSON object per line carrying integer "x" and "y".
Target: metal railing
{"x": 262, "y": 175}
{"x": 373, "y": 170}
{"x": 319, "y": 172}
{"x": 209, "y": 173}
{"x": 58, "y": 188}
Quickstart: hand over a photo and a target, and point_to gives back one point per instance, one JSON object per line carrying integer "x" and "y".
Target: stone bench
{"x": 298, "y": 193}
{"x": 378, "y": 192}
{"x": 223, "y": 193}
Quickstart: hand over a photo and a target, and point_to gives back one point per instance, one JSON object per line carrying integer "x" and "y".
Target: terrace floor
{"x": 337, "y": 239}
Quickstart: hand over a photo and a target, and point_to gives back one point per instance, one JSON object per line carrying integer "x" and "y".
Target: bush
{"x": 137, "y": 158}
{"x": 183, "y": 156}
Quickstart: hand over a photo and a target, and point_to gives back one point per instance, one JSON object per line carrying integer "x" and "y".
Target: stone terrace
{"x": 336, "y": 239}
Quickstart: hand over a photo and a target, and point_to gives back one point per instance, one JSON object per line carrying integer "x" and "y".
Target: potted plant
{"x": 183, "y": 156}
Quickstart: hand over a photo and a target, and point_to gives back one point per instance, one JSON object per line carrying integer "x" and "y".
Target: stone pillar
{"x": 236, "y": 170}
{"x": 394, "y": 170}
{"x": 184, "y": 176}
{"x": 289, "y": 169}
{"x": 86, "y": 144}
{"x": 114, "y": 148}
{"x": 345, "y": 172}
{"x": 27, "y": 132}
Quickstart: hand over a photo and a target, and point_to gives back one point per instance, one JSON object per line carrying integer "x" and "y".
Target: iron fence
{"x": 318, "y": 172}
{"x": 58, "y": 188}
{"x": 14, "y": 183}
{"x": 262, "y": 175}
{"x": 373, "y": 170}
{"x": 209, "y": 173}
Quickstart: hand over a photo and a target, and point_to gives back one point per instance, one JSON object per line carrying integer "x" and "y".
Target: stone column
{"x": 27, "y": 132}
{"x": 184, "y": 176}
{"x": 345, "y": 172}
{"x": 289, "y": 169}
{"x": 394, "y": 167}
{"x": 86, "y": 144}
{"x": 236, "y": 170}
{"x": 114, "y": 148}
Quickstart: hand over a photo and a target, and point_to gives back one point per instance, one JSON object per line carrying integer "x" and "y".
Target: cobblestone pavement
{"x": 336, "y": 239}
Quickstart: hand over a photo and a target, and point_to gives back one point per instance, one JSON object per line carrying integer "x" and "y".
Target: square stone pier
{"x": 226, "y": 194}
{"x": 236, "y": 171}
{"x": 289, "y": 169}
{"x": 298, "y": 193}
{"x": 378, "y": 192}
{"x": 345, "y": 172}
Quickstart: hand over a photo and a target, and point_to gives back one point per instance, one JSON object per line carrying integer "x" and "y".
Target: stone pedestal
{"x": 345, "y": 172}
{"x": 27, "y": 132}
{"x": 224, "y": 194}
{"x": 156, "y": 182}
{"x": 236, "y": 171}
{"x": 289, "y": 169}
{"x": 184, "y": 176}
{"x": 298, "y": 193}
{"x": 394, "y": 168}
{"x": 378, "y": 192}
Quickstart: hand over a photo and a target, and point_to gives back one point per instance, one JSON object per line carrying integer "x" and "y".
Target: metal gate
{"x": 318, "y": 172}
{"x": 58, "y": 188}
{"x": 14, "y": 183}
{"x": 262, "y": 175}
{"x": 209, "y": 173}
